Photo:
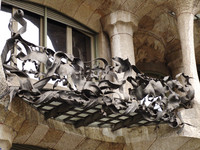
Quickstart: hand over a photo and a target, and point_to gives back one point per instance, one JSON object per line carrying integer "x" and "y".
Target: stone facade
{"x": 160, "y": 34}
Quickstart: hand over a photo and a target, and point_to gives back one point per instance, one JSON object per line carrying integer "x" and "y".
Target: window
{"x": 33, "y": 27}
{"x": 46, "y": 27}
{"x": 56, "y": 33}
{"x": 81, "y": 45}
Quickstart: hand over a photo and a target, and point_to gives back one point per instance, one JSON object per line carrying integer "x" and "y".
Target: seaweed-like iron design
{"x": 115, "y": 87}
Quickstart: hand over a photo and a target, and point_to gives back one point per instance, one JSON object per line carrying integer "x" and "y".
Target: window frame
{"x": 48, "y": 13}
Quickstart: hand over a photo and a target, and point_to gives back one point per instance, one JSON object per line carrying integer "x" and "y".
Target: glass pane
{"x": 5, "y": 15}
{"x": 81, "y": 45}
{"x": 33, "y": 27}
{"x": 56, "y": 33}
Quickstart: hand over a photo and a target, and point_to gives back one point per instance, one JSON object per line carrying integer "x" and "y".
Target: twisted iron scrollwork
{"x": 112, "y": 86}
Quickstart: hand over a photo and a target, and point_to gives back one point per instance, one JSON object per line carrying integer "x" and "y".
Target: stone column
{"x": 185, "y": 18}
{"x": 120, "y": 26}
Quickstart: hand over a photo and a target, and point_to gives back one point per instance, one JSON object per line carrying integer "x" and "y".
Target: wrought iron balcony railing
{"x": 91, "y": 96}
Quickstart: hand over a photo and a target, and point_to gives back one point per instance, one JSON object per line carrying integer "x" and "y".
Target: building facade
{"x": 160, "y": 37}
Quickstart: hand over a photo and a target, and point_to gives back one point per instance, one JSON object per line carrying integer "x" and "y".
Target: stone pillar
{"x": 6, "y": 137}
{"x": 120, "y": 26}
{"x": 185, "y": 18}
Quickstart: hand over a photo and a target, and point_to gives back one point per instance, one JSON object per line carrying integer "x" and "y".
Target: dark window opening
{"x": 198, "y": 70}
{"x": 154, "y": 75}
{"x": 81, "y": 45}
{"x": 57, "y": 34}
{"x": 26, "y": 147}
{"x": 6, "y": 8}
{"x": 34, "y": 18}
{"x": 154, "y": 69}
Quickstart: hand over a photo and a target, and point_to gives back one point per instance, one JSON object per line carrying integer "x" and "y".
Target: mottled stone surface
{"x": 6, "y": 137}
{"x": 113, "y": 146}
{"x": 37, "y": 135}
{"x": 69, "y": 141}
{"x": 3, "y": 85}
{"x": 25, "y": 132}
{"x": 88, "y": 144}
{"x": 51, "y": 138}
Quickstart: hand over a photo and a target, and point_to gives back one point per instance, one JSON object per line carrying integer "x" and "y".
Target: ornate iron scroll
{"x": 157, "y": 100}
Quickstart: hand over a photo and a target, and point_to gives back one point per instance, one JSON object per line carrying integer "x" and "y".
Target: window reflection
{"x": 33, "y": 27}
{"x": 81, "y": 45}
{"x": 5, "y": 15}
{"x": 56, "y": 35}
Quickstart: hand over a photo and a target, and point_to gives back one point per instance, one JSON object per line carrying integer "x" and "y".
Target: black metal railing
{"x": 91, "y": 96}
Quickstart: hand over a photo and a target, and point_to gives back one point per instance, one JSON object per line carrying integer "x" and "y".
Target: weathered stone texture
{"x": 25, "y": 132}
{"x": 51, "y": 138}
{"x": 88, "y": 144}
{"x": 37, "y": 135}
{"x": 69, "y": 141}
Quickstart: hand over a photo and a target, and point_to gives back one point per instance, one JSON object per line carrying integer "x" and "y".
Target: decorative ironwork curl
{"x": 84, "y": 86}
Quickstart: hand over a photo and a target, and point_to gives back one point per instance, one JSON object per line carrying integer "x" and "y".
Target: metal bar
{"x": 57, "y": 111}
{"x": 110, "y": 119}
{"x": 89, "y": 119}
{"x": 78, "y": 113}
{"x": 128, "y": 122}
{"x": 69, "y": 40}
{"x": 45, "y": 27}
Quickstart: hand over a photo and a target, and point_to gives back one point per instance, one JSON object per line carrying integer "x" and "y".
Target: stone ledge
{"x": 29, "y": 129}
{"x": 146, "y": 136}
